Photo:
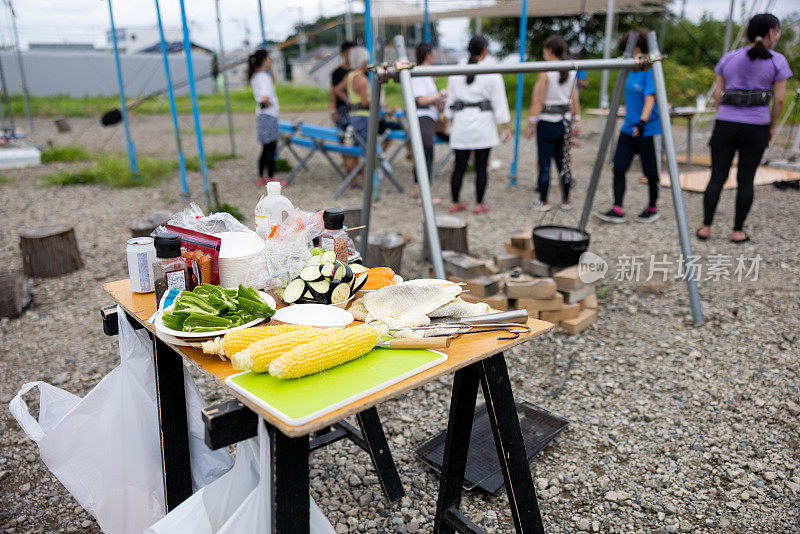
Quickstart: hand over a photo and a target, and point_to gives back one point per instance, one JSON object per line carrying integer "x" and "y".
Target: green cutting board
{"x": 300, "y": 400}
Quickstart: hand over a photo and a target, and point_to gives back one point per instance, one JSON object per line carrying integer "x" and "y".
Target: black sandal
{"x": 700, "y": 236}
{"x": 745, "y": 240}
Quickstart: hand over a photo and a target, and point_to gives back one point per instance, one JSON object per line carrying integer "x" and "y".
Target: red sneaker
{"x": 481, "y": 208}
{"x": 262, "y": 181}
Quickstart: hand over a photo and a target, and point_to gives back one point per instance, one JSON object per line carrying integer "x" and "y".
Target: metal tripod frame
{"x": 403, "y": 71}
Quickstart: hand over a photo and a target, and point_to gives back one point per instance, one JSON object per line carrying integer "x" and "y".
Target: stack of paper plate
{"x": 242, "y": 258}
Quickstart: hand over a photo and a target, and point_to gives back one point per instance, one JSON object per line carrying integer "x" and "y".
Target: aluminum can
{"x": 141, "y": 257}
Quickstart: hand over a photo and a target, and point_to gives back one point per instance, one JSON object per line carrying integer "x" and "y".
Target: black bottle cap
{"x": 333, "y": 219}
{"x": 168, "y": 245}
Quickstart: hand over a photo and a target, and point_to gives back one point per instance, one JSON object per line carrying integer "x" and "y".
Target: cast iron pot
{"x": 559, "y": 245}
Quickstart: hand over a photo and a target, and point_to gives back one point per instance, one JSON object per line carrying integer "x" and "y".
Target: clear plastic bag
{"x": 288, "y": 247}
{"x": 105, "y": 447}
{"x": 193, "y": 218}
{"x": 237, "y": 502}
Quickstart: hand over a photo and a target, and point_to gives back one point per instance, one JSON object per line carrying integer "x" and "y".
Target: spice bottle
{"x": 170, "y": 270}
{"x": 334, "y": 236}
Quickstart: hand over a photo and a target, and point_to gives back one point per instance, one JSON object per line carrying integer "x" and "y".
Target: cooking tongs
{"x": 494, "y": 322}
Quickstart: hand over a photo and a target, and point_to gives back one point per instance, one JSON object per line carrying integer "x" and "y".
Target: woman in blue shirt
{"x": 636, "y": 137}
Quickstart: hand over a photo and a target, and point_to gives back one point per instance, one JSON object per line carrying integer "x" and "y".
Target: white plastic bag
{"x": 237, "y": 502}
{"x": 105, "y": 447}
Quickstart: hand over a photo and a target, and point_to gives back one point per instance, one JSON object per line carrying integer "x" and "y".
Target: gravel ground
{"x": 674, "y": 428}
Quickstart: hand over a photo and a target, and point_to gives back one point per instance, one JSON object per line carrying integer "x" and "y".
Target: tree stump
{"x": 452, "y": 235}
{"x": 145, "y": 227}
{"x": 15, "y": 293}
{"x": 386, "y": 250}
{"x": 49, "y": 251}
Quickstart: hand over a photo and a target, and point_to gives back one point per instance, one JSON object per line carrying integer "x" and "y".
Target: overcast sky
{"x": 86, "y": 21}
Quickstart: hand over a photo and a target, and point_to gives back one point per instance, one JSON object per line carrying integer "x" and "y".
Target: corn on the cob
{"x": 233, "y": 342}
{"x": 257, "y": 356}
{"x": 326, "y": 351}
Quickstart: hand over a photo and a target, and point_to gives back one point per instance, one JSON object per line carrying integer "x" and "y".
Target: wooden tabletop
{"x": 463, "y": 351}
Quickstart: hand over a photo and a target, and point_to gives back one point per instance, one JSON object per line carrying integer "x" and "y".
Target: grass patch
{"x": 212, "y": 158}
{"x": 282, "y": 165}
{"x": 211, "y": 130}
{"x": 53, "y": 154}
{"x": 602, "y": 291}
{"x": 4, "y": 179}
{"x": 114, "y": 172}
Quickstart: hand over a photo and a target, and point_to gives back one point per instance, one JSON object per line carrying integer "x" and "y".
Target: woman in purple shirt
{"x": 747, "y": 79}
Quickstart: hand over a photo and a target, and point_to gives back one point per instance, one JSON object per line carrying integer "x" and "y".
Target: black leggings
{"x": 267, "y": 159}
{"x": 428, "y": 163}
{"x": 627, "y": 147}
{"x": 750, "y": 140}
{"x": 481, "y": 161}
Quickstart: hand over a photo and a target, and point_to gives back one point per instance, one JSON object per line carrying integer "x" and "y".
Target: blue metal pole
{"x": 201, "y": 155}
{"x": 261, "y": 21}
{"x": 371, "y": 49}
{"x": 132, "y": 163}
{"x": 427, "y": 24}
{"x": 523, "y": 37}
{"x": 172, "y": 108}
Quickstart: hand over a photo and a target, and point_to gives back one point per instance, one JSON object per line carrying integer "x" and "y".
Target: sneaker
{"x": 611, "y": 216}
{"x": 566, "y": 206}
{"x": 455, "y": 207}
{"x": 481, "y": 208}
{"x": 261, "y": 181}
{"x": 648, "y": 215}
{"x": 542, "y": 206}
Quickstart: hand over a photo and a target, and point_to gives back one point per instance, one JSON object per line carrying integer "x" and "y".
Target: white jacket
{"x": 472, "y": 128}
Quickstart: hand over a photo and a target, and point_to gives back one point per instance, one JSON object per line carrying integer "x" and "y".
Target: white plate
{"x": 162, "y": 329}
{"x": 319, "y": 315}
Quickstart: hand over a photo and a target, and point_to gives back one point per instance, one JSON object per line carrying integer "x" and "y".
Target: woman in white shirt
{"x": 428, "y": 102}
{"x": 263, "y": 86}
{"x": 476, "y": 104}
{"x": 554, "y": 108}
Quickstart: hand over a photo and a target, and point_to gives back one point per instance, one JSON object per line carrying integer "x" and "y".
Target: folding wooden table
{"x": 472, "y": 358}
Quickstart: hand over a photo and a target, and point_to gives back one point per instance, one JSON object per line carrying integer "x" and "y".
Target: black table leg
{"x": 290, "y": 497}
{"x": 510, "y": 446}
{"x": 173, "y": 424}
{"x": 381, "y": 456}
{"x": 456, "y": 447}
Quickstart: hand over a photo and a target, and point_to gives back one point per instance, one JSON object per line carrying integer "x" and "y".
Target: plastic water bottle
{"x": 272, "y": 210}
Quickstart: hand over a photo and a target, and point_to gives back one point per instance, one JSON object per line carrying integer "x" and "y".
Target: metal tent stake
{"x": 404, "y": 73}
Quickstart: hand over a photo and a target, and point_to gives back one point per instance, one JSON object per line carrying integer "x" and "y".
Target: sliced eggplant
{"x": 319, "y": 289}
{"x": 361, "y": 279}
{"x": 357, "y": 268}
{"x": 348, "y": 274}
{"x": 293, "y": 291}
{"x": 311, "y": 273}
{"x": 338, "y": 273}
{"x": 340, "y": 293}
{"x": 327, "y": 270}
{"x": 314, "y": 260}
{"x": 328, "y": 256}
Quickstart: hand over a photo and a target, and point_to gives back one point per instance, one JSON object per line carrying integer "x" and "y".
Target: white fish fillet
{"x": 403, "y": 301}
